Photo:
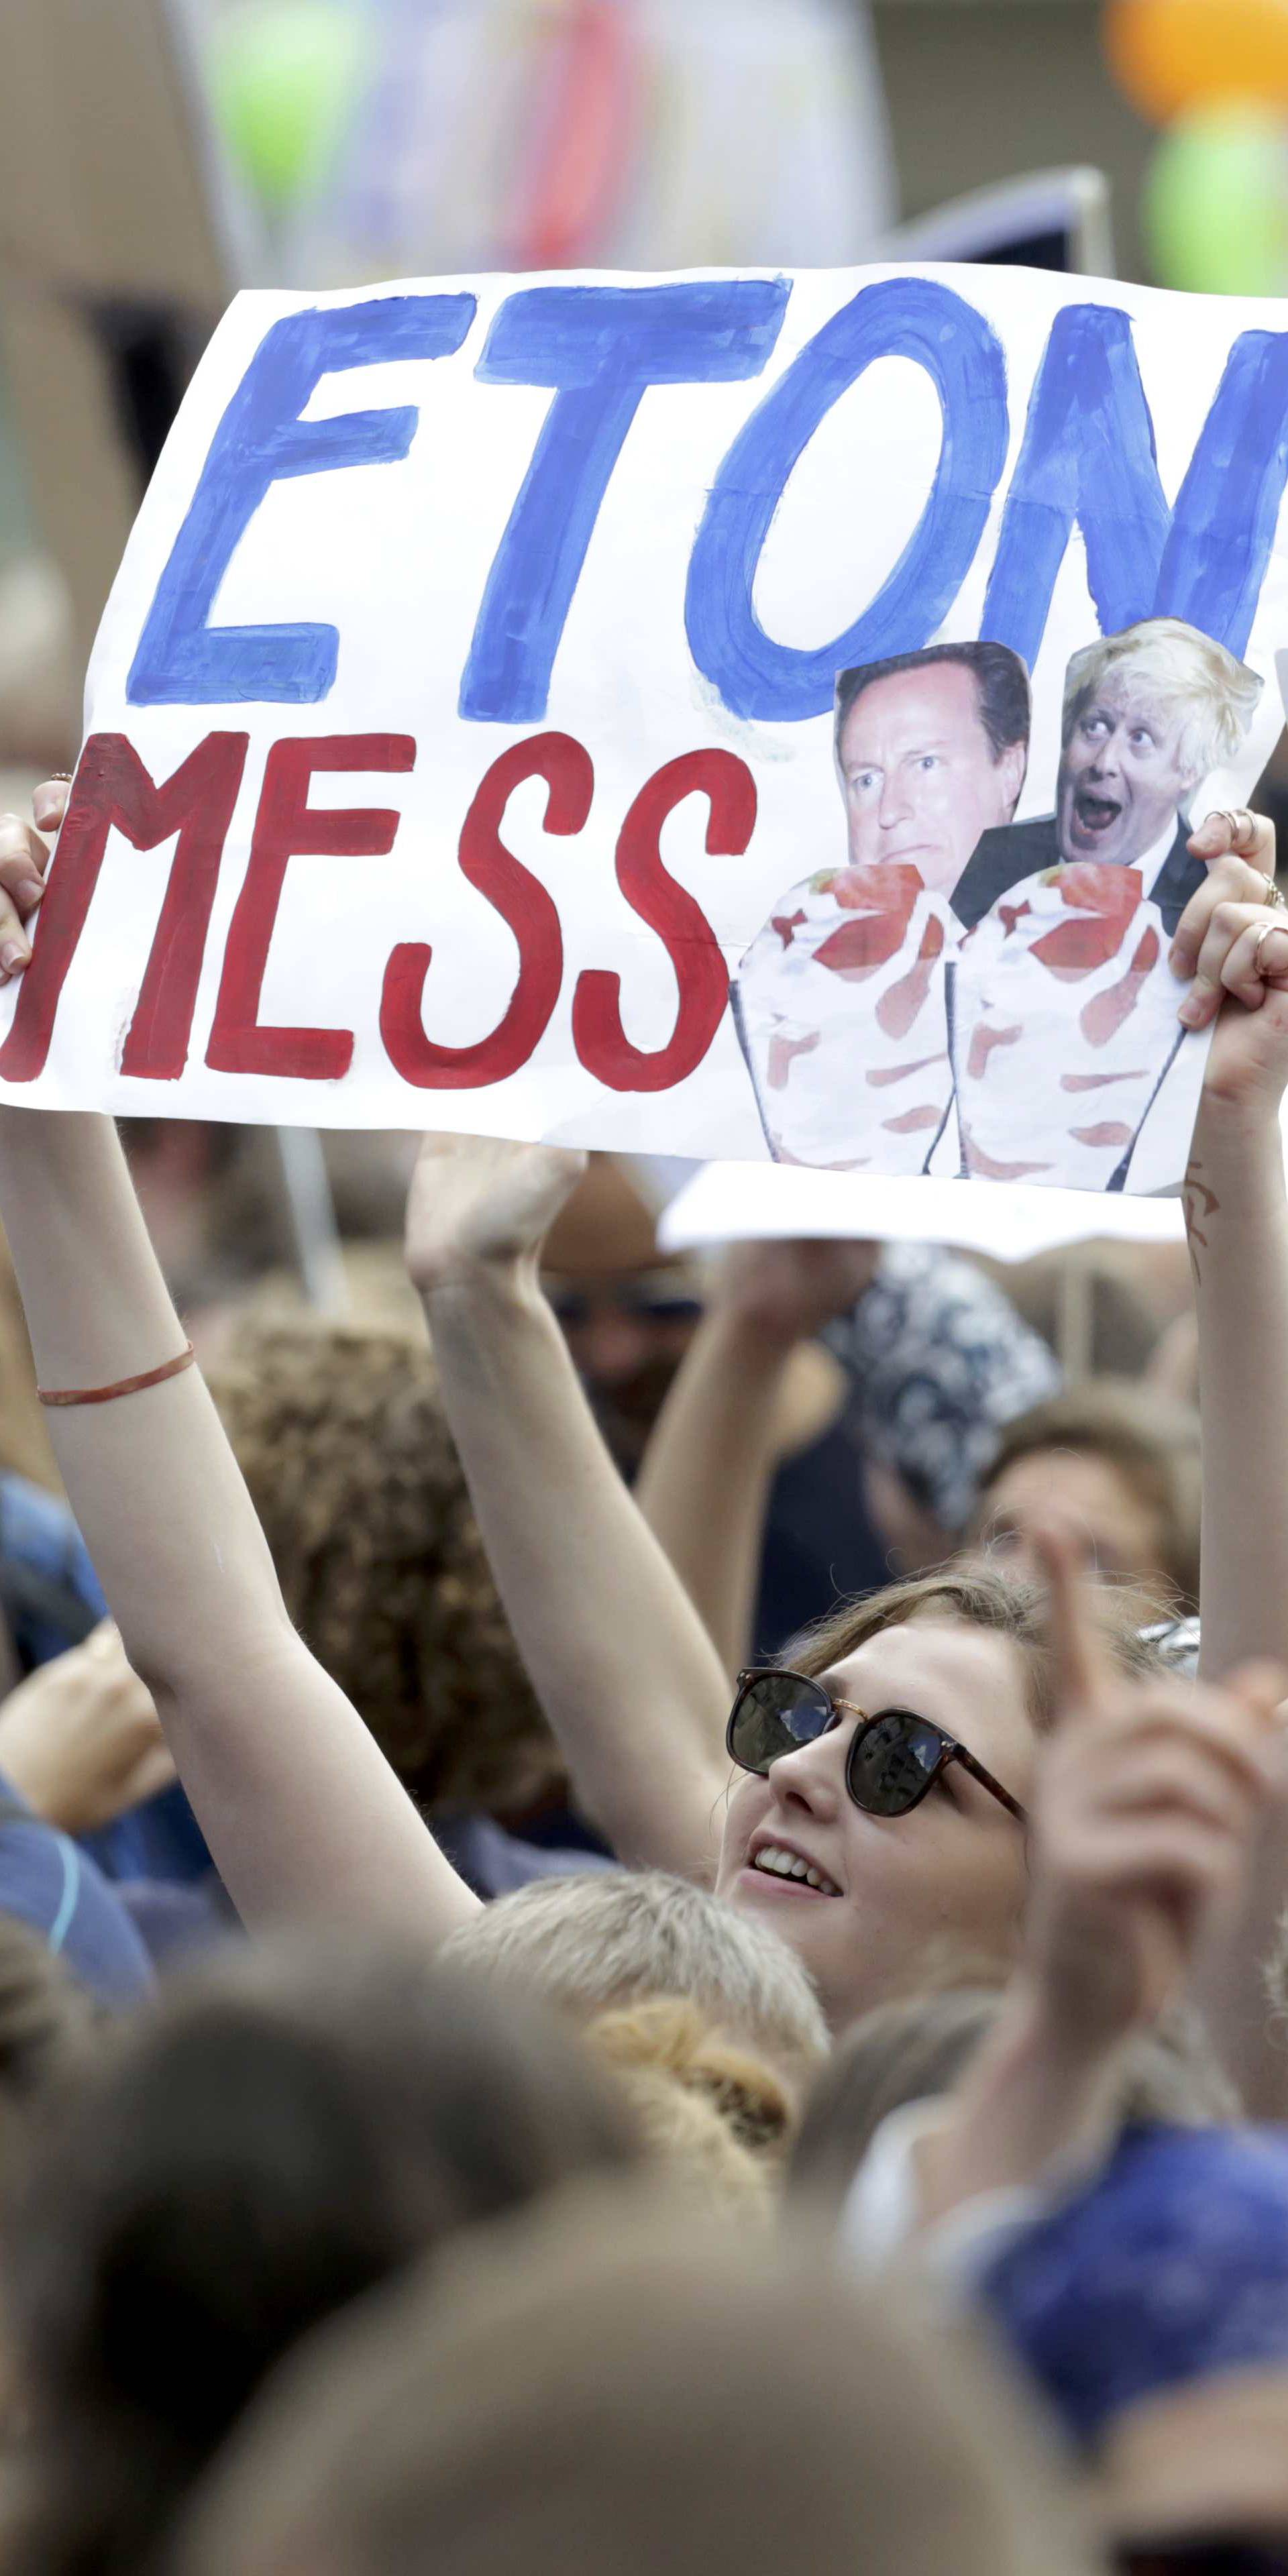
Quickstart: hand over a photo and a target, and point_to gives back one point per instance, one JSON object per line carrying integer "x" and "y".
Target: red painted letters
{"x": 287, "y": 827}
{"x": 685, "y": 932}
{"x": 112, "y": 790}
{"x": 521, "y": 900}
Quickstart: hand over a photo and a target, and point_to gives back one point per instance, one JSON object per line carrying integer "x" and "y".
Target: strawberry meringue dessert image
{"x": 1065, "y": 1031}
{"x": 839, "y": 1004}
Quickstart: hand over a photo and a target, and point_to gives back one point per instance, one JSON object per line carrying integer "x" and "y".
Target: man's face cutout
{"x": 919, "y": 775}
{"x": 1122, "y": 778}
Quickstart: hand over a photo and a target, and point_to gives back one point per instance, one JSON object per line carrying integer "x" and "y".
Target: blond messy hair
{"x": 1218, "y": 694}
{"x": 610, "y": 1940}
{"x": 718, "y": 2120}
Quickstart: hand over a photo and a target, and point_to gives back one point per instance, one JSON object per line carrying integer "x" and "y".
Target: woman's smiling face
{"x": 951, "y": 1872}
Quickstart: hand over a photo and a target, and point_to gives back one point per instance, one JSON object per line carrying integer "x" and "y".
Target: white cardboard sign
{"x": 463, "y": 740}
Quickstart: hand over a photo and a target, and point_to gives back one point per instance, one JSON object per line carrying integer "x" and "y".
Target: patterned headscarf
{"x": 940, "y": 1360}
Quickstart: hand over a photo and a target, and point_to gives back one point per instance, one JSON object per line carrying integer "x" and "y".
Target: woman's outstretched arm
{"x": 301, "y": 1810}
{"x": 1235, "y": 950}
{"x": 625, "y": 1670}
{"x": 1237, "y": 1213}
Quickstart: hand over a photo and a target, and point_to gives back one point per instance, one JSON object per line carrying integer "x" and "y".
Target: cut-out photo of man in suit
{"x": 839, "y": 1001}
{"x": 1148, "y": 714}
{"x": 1062, "y": 1007}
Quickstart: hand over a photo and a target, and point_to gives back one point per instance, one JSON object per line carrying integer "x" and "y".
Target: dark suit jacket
{"x": 1013, "y": 851}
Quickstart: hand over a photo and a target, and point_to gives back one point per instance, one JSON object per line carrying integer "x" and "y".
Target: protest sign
{"x": 465, "y": 746}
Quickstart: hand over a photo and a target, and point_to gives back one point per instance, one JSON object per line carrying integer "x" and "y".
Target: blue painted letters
{"x": 1087, "y": 459}
{"x": 600, "y": 347}
{"x": 181, "y": 659}
{"x": 1227, "y": 508}
{"x": 907, "y": 317}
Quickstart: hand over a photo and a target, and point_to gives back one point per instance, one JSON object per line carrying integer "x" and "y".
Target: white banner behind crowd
{"x": 598, "y": 708}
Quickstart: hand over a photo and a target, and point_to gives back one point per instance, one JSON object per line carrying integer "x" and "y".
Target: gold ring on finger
{"x": 1268, "y": 930}
{"x": 1274, "y": 893}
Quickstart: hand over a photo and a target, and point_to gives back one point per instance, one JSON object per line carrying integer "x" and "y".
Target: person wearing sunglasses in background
{"x": 291, "y": 1791}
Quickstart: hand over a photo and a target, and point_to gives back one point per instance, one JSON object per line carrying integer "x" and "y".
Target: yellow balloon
{"x": 1170, "y": 55}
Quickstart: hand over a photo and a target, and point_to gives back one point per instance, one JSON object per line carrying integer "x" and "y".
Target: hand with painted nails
{"x": 24, "y": 857}
{"x": 1231, "y": 948}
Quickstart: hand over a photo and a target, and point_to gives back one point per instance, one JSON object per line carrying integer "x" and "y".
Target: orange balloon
{"x": 1170, "y": 55}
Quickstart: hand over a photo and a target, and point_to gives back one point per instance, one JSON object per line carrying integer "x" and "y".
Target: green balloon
{"x": 1215, "y": 205}
{"x": 283, "y": 77}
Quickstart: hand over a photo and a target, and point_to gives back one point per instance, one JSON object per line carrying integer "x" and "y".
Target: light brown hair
{"x": 343, "y": 1443}
{"x": 605, "y": 2393}
{"x": 975, "y": 1597}
{"x": 1150, "y": 1441}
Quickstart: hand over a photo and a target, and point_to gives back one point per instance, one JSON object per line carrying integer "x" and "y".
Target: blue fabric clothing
{"x": 1171, "y": 2267}
{"x": 52, "y": 1598}
{"x": 39, "y": 1537}
{"x": 46, "y": 1880}
{"x": 493, "y": 1862}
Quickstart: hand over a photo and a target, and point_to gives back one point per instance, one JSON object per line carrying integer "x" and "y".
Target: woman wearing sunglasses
{"x": 877, "y": 1816}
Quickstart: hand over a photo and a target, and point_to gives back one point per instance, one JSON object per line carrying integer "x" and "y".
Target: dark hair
{"x": 1153, "y": 1444}
{"x": 261, "y": 2148}
{"x": 1005, "y": 702}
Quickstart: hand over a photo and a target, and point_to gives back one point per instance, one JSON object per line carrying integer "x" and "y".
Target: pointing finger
{"x": 1083, "y": 1672}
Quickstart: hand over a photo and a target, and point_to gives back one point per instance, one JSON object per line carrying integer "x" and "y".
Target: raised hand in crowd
{"x": 1143, "y": 1823}
{"x": 603, "y": 1623}
{"x": 80, "y": 1738}
{"x": 730, "y": 1412}
{"x": 479, "y": 1203}
{"x": 1231, "y": 948}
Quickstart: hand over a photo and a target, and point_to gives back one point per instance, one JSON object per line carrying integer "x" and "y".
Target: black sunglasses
{"x": 895, "y": 1757}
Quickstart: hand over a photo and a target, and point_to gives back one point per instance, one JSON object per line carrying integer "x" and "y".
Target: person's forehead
{"x": 942, "y": 697}
{"x": 1084, "y": 1476}
{"x": 930, "y": 1663}
{"x": 1141, "y": 694}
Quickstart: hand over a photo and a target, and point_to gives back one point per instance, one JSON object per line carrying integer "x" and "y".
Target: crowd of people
{"x": 598, "y": 1844}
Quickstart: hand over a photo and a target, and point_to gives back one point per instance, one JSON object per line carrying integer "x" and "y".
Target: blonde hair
{"x": 717, "y": 2119}
{"x": 1218, "y": 694}
{"x": 617, "y": 1938}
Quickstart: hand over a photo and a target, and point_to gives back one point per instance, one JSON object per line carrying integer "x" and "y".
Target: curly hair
{"x": 340, "y": 1435}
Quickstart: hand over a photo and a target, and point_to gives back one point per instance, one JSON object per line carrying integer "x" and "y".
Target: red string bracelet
{"x": 123, "y": 1385}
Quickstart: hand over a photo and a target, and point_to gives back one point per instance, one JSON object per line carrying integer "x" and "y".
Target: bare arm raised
{"x": 1234, "y": 947}
{"x": 624, "y": 1669}
{"x": 704, "y": 1485}
{"x": 300, "y": 1808}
